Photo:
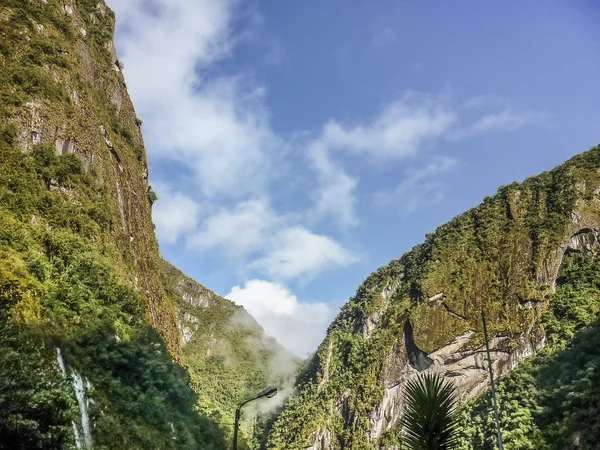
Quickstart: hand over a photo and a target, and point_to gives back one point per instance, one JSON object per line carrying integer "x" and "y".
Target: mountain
{"x": 95, "y": 329}
{"x": 228, "y": 355}
{"x": 528, "y": 258}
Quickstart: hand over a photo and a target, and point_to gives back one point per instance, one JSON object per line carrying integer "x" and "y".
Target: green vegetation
{"x": 430, "y": 419}
{"x": 552, "y": 401}
{"x": 36, "y": 405}
{"x": 27, "y": 78}
{"x": 496, "y": 256}
{"x": 228, "y": 356}
{"x": 58, "y": 291}
{"x": 80, "y": 272}
{"x": 152, "y": 195}
{"x": 79, "y": 263}
{"x": 59, "y": 87}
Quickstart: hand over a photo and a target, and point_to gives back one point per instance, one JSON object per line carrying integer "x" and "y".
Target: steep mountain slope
{"x": 227, "y": 353}
{"x": 509, "y": 257}
{"x": 80, "y": 273}
{"x": 552, "y": 401}
{"x": 62, "y": 89}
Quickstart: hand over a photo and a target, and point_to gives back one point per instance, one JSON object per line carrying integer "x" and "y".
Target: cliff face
{"x": 421, "y": 312}
{"x": 63, "y": 88}
{"x": 228, "y": 356}
{"x": 81, "y": 286}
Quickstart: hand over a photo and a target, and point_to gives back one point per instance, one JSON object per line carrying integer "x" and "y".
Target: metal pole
{"x": 497, "y": 415}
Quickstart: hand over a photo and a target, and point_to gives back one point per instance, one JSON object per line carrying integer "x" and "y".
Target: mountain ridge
{"x": 422, "y": 311}
{"x": 227, "y": 353}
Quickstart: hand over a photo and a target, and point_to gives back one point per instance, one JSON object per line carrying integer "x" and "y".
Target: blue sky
{"x": 297, "y": 146}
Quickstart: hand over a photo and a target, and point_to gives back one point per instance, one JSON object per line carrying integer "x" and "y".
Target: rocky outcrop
{"x": 422, "y": 312}
{"x": 462, "y": 360}
{"x": 369, "y": 323}
{"x": 322, "y": 440}
{"x": 195, "y": 300}
{"x": 188, "y": 324}
{"x": 459, "y": 361}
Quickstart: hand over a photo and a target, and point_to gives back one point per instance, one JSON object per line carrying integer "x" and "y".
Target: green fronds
{"x": 430, "y": 421}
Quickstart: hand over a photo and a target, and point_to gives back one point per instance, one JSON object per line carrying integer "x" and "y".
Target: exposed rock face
{"x": 466, "y": 367}
{"x": 461, "y": 361}
{"x": 188, "y": 324}
{"x": 322, "y": 440}
{"x": 422, "y": 312}
{"x": 583, "y": 241}
{"x": 71, "y": 111}
{"x": 196, "y": 294}
{"x": 195, "y": 300}
{"x": 370, "y": 322}
{"x": 581, "y": 238}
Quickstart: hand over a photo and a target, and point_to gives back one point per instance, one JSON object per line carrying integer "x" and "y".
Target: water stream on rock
{"x": 78, "y": 386}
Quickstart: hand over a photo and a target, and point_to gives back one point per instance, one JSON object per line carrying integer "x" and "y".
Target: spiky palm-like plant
{"x": 430, "y": 420}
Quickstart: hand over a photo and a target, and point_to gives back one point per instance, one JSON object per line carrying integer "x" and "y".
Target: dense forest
{"x": 553, "y": 400}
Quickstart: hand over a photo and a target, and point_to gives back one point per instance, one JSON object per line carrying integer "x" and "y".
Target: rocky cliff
{"x": 81, "y": 282}
{"x": 62, "y": 88}
{"x": 509, "y": 257}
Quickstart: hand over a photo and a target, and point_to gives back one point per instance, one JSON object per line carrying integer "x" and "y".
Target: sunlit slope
{"x": 421, "y": 312}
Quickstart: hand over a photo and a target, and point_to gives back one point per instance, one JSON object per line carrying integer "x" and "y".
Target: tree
{"x": 430, "y": 420}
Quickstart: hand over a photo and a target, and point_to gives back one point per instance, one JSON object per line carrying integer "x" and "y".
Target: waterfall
{"x": 85, "y": 420}
{"x": 78, "y": 386}
{"x": 61, "y": 362}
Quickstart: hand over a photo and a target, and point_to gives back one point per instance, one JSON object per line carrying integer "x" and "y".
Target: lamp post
{"x": 489, "y": 358}
{"x": 269, "y": 392}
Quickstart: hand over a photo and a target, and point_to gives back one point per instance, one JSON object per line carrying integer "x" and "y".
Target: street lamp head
{"x": 269, "y": 392}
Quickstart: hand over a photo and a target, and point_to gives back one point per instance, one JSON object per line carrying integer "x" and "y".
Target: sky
{"x": 296, "y": 146}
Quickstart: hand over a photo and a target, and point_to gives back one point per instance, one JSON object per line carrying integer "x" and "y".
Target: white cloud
{"x": 335, "y": 198}
{"x": 506, "y": 120}
{"x": 174, "y": 214}
{"x": 299, "y": 326}
{"x": 296, "y": 252}
{"x": 243, "y": 229}
{"x": 163, "y": 42}
{"x": 399, "y": 131}
{"x": 420, "y": 187}
{"x": 404, "y": 129}
{"x": 217, "y": 127}
{"x": 276, "y": 246}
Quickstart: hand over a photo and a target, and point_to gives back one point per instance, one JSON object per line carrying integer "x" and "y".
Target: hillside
{"x": 526, "y": 256}
{"x": 227, "y": 354}
{"x": 89, "y": 339}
